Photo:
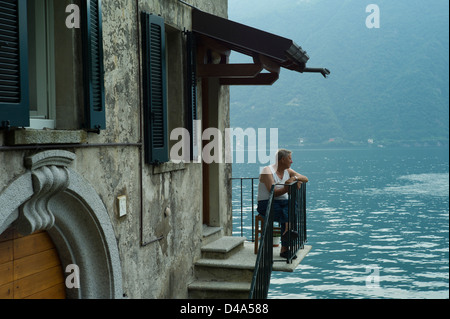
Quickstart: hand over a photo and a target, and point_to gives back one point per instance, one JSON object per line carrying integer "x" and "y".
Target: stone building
{"x": 98, "y": 199}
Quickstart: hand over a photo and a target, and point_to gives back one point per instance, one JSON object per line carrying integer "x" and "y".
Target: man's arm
{"x": 296, "y": 176}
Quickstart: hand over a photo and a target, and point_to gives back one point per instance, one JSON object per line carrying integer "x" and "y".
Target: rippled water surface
{"x": 378, "y": 224}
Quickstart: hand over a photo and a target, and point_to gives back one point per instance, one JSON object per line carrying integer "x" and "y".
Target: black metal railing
{"x": 244, "y": 208}
{"x": 264, "y": 260}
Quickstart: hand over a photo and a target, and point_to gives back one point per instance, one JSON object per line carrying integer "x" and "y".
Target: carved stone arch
{"x": 50, "y": 196}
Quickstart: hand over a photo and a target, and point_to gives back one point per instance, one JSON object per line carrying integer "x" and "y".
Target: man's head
{"x": 284, "y": 158}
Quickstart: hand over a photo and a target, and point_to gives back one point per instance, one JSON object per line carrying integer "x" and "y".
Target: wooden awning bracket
{"x": 260, "y": 79}
{"x": 243, "y": 70}
{"x": 235, "y": 73}
{"x": 267, "y": 63}
{"x": 212, "y": 62}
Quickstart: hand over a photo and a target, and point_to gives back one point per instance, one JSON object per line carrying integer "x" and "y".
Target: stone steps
{"x": 220, "y": 272}
{"x": 225, "y": 270}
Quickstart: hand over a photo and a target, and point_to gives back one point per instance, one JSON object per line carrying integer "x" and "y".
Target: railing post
{"x": 305, "y": 239}
{"x": 297, "y": 218}
{"x": 264, "y": 261}
{"x": 291, "y": 218}
{"x": 242, "y": 207}
{"x": 253, "y": 212}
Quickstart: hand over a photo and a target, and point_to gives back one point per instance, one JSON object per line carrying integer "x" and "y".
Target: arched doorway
{"x": 53, "y": 198}
{"x": 30, "y": 267}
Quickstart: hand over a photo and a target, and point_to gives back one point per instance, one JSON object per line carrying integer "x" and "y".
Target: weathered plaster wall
{"x": 169, "y": 203}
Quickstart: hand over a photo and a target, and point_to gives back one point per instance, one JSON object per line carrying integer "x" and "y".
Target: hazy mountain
{"x": 389, "y": 84}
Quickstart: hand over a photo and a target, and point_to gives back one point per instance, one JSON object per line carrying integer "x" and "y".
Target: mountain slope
{"x": 388, "y": 84}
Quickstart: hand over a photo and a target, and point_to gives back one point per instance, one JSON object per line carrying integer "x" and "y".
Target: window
{"x": 42, "y": 77}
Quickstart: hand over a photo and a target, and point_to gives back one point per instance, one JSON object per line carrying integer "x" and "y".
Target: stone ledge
{"x": 220, "y": 285}
{"x": 45, "y": 136}
{"x": 210, "y": 230}
{"x": 218, "y": 290}
{"x": 223, "y": 247}
{"x": 168, "y": 167}
{"x": 224, "y": 244}
{"x": 246, "y": 259}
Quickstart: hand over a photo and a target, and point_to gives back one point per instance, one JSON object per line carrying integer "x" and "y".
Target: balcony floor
{"x": 246, "y": 259}
{"x": 279, "y": 263}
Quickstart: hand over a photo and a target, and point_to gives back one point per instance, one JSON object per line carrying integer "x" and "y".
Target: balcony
{"x": 229, "y": 267}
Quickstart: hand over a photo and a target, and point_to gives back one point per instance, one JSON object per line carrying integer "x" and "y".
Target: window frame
{"x": 15, "y": 112}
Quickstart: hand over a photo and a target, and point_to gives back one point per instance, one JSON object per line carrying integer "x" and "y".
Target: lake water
{"x": 377, "y": 221}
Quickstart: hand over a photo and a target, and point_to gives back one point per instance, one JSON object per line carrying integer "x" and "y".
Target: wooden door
{"x": 30, "y": 267}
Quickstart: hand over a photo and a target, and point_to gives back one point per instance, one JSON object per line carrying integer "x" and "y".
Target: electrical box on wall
{"x": 122, "y": 205}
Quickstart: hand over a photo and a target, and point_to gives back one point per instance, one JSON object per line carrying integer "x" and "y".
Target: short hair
{"x": 283, "y": 153}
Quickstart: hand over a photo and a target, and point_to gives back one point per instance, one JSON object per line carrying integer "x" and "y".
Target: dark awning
{"x": 253, "y": 42}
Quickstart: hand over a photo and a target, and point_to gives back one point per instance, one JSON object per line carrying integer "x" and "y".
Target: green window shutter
{"x": 156, "y": 139}
{"x": 14, "y": 105}
{"x": 94, "y": 91}
{"x": 191, "y": 91}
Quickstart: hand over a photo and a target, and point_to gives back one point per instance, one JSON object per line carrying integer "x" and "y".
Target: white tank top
{"x": 263, "y": 193}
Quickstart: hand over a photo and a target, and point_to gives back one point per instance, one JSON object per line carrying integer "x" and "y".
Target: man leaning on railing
{"x": 279, "y": 173}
